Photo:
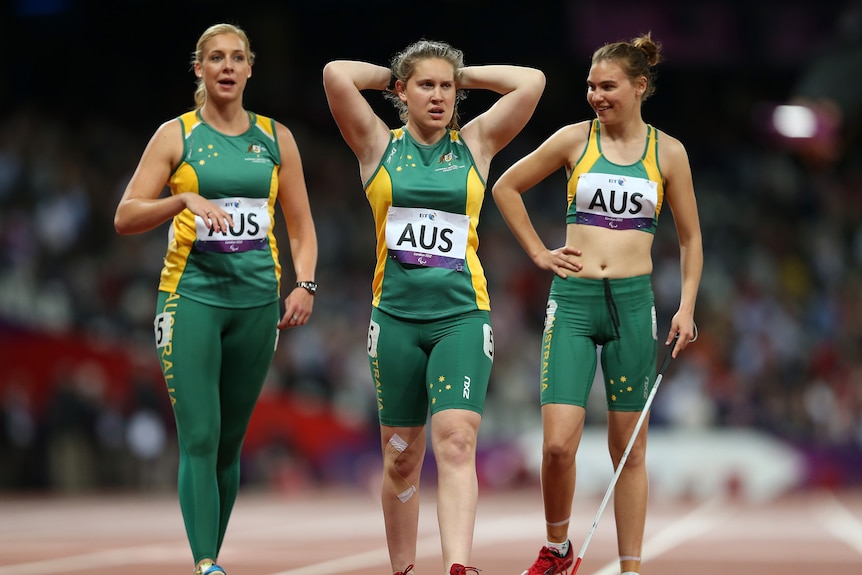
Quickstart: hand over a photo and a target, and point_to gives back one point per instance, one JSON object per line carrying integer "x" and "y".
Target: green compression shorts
{"x": 444, "y": 364}
{"x": 582, "y": 314}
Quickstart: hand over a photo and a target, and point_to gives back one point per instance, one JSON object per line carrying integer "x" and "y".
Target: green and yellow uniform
{"x": 218, "y": 309}
{"x": 617, "y": 314}
{"x": 428, "y": 282}
{"x": 239, "y": 268}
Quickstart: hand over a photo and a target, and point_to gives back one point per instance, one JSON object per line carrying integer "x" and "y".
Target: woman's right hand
{"x": 563, "y": 261}
{"x": 217, "y": 219}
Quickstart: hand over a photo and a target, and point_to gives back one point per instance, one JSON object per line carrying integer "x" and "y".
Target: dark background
{"x": 85, "y": 84}
{"x": 131, "y": 58}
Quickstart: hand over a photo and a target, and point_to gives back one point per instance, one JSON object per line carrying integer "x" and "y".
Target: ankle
{"x": 561, "y": 549}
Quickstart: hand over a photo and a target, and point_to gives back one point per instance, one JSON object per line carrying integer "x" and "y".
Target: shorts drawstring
{"x": 612, "y": 307}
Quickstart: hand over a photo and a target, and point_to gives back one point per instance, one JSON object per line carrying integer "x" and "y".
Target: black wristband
{"x": 310, "y": 287}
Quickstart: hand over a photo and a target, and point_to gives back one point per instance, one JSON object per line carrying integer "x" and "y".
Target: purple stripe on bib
{"x": 423, "y": 259}
{"x": 614, "y": 223}
{"x": 231, "y": 246}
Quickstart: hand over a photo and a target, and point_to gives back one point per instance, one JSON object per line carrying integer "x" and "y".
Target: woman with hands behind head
{"x": 217, "y": 320}
{"x": 429, "y": 339}
{"x": 620, "y": 171}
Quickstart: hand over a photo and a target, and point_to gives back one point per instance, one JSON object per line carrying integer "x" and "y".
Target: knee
{"x": 402, "y": 459}
{"x": 200, "y": 443}
{"x": 557, "y": 452}
{"x": 457, "y": 447}
{"x": 406, "y": 464}
{"x": 636, "y": 457}
{"x": 230, "y": 443}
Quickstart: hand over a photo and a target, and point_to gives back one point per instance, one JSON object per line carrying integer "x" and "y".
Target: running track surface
{"x": 337, "y": 532}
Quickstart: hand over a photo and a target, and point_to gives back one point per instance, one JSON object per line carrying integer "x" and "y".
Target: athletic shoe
{"x": 406, "y": 571}
{"x": 210, "y": 569}
{"x": 458, "y": 569}
{"x": 549, "y": 563}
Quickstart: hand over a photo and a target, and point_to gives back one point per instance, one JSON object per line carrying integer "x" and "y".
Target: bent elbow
{"x": 332, "y": 72}
{"x": 541, "y": 79}
{"x": 537, "y": 80}
{"x": 498, "y": 193}
{"x": 121, "y": 225}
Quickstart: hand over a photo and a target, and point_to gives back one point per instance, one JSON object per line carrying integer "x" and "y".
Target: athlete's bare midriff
{"x": 611, "y": 253}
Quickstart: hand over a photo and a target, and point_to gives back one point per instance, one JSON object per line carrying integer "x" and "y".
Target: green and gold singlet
{"x": 426, "y": 201}
{"x": 601, "y": 193}
{"x": 238, "y": 268}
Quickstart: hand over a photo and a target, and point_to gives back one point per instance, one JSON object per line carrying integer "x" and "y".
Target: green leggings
{"x": 214, "y": 362}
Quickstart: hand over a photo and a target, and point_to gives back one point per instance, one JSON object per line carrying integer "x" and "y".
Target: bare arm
{"x": 293, "y": 199}
{"x": 492, "y": 130}
{"x": 343, "y": 81}
{"x": 552, "y": 155}
{"x": 141, "y": 208}
{"x": 679, "y": 193}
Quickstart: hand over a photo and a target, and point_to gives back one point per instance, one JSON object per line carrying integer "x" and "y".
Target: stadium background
{"x": 767, "y": 401}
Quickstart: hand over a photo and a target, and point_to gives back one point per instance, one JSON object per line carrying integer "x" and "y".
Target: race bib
{"x": 250, "y": 227}
{"x": 616, "y": 202}
{"x": 426, "y": 237}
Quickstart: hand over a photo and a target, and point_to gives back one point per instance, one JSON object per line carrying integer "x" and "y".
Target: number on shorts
{"x": 162, "y": 326}
{"x": 373, "y": 336}
{"x": 654, "y": 324}
{"x": 489, "y": 341}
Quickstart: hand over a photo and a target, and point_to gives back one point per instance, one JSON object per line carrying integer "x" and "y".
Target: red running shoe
{"x": 549, "y": 563}
{"x": 458, "y": 569}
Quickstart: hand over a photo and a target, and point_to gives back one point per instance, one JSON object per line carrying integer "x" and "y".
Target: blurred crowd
{"x": 779, "y": 312}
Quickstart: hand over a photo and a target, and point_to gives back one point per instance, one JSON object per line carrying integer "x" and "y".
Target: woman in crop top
{"x": 620, "y": 172}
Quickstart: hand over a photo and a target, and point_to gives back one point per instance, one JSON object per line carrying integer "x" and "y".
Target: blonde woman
{"x": 218, "y": 317}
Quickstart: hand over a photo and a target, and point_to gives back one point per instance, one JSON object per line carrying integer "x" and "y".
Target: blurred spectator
{"x": 148, "y": 437}
{"x": 73, "y": 435}
{"x": 19, "y": 436}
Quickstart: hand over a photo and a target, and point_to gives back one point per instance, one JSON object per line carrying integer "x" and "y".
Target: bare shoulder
{"x": 574, "y": 133}
{"x": 166, "y": 143}
{"x": 170, "y": 131}
{"x": 671, "y": 148}
{"x": 675, "y": 167}
{"x": 569, "y": 141}
{"x": 281, "y": 130}
{"x": 286, "y": 140}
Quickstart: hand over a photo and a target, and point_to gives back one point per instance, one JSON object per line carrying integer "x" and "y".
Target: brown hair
{"x": 198, "y": 54}
{"x": 404, "y": 63}
{"x": 636, "y": 58}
